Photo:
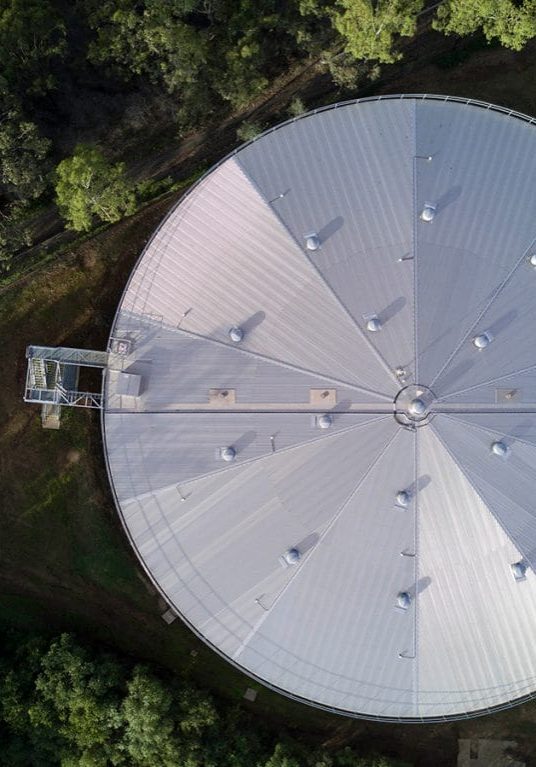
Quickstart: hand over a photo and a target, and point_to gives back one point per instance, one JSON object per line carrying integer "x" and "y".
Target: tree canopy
{"x": 88, "y": 185}
{"x": 370, "y": 28}
{"x": 14, "y": 232}
{"x": 100, "y": 72}
{"x": 512, "y": 23}
{"x": 22, "y": 156}
{"x": 67, "y": 704}
{"x": 32, "y": 36}
{"x": 150, "y": 39}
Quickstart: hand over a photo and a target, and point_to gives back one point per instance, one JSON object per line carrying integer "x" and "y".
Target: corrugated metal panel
{"x": 220, "y": 548}
{"x": 178, "y": 368}
{"x": 481, "y": 179}
{"x": 521, "y": 387}
{"x": 475, "y": 620}
{"x": 506, "y": 485}
{"x": 348, "y": 176}
{"x": 225, "y": 259}
{"x": 509, "y": 322}
{"x": 211, "y": 534}
{"x": 332, "y": 648}
{"x": 148, "y": 451}
{"x": 516, "y": 427}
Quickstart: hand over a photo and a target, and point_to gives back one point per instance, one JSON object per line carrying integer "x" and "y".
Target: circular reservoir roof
{"x": 320, "y": 410}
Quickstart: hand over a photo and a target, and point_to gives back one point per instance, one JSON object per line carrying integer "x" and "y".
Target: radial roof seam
{"x": 414, "y": 261}
{"x": 275, "y": 361}
{"x": 331, "y": 524}
{"x": 519, "y": 548}
{"x": 417, "y": 568}
{"x": 484, "y": 311}
{"x": 265, "y": 358}
{"x": 318, "y": 273}
{"x": 235, "y": 466}
{"x": 459, "y": 419}
{"x": 257, "y": 409}
{"x": 487, "y": 383}
{"x": 333, "y": 709}
{"x": 258, "y": 677}
{"x": 298, "y": 253}
{"x": 417, "y": 96}
{"x": 451, "y": 437}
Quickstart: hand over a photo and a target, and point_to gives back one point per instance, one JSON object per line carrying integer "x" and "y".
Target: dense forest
{"x": 63, "y": 703}
{"x": 81, "y": 81}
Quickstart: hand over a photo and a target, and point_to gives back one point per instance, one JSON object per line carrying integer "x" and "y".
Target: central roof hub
{"x": 417, "y": 407}
{"x": 412, "y": 405}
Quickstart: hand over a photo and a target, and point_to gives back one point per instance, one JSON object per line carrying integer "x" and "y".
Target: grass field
{"x": 64, "y": 562}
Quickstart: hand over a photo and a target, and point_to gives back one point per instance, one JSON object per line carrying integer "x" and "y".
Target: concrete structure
{"x": 379, "y": 562}
{"x": 487, "y": 753}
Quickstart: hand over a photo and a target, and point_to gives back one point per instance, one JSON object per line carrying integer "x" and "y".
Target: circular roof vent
{"x": 532, "y": 260}
{"x": 482, "y": 340}
{"x": 308, "y": 353}
{"x": 292, "y": 556}
{"x": 403, "y": 600}
{"x": 236, "y": 334}
{"x": 499, "y": 448}
{"x": 324, "y": 421}
{"x": 428, "y": 212}
{"x": 312, "y": 241}
{"x": 403, "y": 498}
{"x": 374, "y": 324}
{"x": 228, "y": 454}
{"x": 519, "y": 570}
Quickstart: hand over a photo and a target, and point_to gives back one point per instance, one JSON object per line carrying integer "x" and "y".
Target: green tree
{"x": 88, "y": 185}
{"x": 32, "y": 36}
{"x": 242, "y": 79}
{"x": 149, "y": 38}
{"x": 296, "y": 107}
{"x": 370, "y": 28}
{"x": 249, "y": 130}
{"x": 77, "y": 695}
{"x": 14, "y": 232}
{"x": 150, "y": 731}
{"x": 253, "y": 39}
{"x": 72, "y": 706}
{"x": 23, "y": 153}
{"x": 283, "y": 756}
{"x": 202, "y": 51}
{"x": 27, "y": 743}
{"x": 512, "y": 23}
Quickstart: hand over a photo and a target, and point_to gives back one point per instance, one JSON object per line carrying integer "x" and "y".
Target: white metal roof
{"x": 300, "y": 239}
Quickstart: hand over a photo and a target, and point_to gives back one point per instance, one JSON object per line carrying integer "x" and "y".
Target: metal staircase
{"x": 52, "y": 380}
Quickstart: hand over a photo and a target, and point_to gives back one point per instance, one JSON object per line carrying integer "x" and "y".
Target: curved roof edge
{"x": 338, "y": 105}
{"x": 305, "y": 701}
{"x": 296, "y": 698}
